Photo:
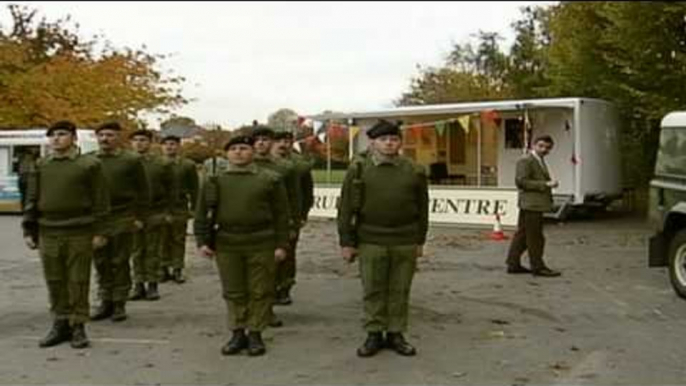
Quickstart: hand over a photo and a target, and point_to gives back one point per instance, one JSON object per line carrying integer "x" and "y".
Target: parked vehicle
{"x": 667, "y": 207}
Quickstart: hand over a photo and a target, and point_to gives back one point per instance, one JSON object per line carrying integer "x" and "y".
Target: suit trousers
{"x": 529, "y": 237}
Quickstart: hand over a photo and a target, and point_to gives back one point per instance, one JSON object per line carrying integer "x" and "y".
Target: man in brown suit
{"x": 535, "y": 198}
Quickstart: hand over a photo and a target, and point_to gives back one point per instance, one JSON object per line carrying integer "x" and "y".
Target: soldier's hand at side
{"x": 207, "y": 252}
{"x": 349, "y": 254}
{"x": 279, "y": 254}
{"x": 138, "y": 224}
{"x": 553, "y": 184}
{"x": 168, "y": 219}
{"x": 99, "y": 241}
{"x": 30, "y": 243}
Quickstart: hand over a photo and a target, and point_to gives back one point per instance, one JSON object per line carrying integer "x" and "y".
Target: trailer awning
{"x": 454, "y": 108}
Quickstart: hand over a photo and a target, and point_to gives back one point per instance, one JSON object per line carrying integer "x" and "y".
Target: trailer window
{"x": 514, "y": 134}
{"x": 671, "y": 156}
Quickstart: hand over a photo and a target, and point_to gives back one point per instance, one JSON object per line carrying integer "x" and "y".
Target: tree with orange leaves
{"x": 48, "y": 72}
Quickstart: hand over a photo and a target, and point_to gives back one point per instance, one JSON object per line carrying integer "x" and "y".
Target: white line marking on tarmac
{"x": 608, "y": 295}
{"x": 592, "y": 365}
{"x": 110, "y": 340}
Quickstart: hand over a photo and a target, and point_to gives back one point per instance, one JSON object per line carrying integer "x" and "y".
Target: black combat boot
{"x": 372, "y": 345}
{"x": 283, "y": 297}
{"x": 60, "y": 332}
{"x": 396, "y": 342}
{"x": 177, "y": 276}
{"x": 138, "y": 292}
{"x": 103, "y": 311}
{"x": 255, "y": 344}
{"x": 238, "y": 342}
{"x": 152, "y": 293}
{"x": 165, "y": 276}
{"x": 78, "y": 337}
{"x": 119, "y": 312}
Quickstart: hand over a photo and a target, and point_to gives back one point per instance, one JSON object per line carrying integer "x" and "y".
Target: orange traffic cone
{"x": 498, "y": 234}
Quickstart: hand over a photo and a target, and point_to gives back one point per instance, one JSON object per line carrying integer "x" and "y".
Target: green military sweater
{"x": 288, "y": 173}
{"x": 305, "y": 182}
{"x": 393, "y": 201}
{"x": 251, "y": 209}
{"x": 128, "y": 186}
{"x": 66, "y": 192}
{"x": 185, "y": 187}
{"x": 160, "y": 174}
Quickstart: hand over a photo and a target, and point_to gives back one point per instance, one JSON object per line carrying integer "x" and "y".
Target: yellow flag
{"x": 464, "y": 122}
{"x": 354, "y": 130}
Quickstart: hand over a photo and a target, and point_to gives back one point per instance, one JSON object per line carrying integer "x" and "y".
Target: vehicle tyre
{"x": 677, "y": 263}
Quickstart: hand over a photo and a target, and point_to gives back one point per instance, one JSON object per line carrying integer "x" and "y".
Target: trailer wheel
{"x": 677, "y": 263}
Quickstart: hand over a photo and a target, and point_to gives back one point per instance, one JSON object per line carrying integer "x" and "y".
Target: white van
{"x": 14, "y": 144}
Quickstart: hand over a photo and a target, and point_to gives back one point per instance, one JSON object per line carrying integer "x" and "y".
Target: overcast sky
{"x": 244, "y": 61}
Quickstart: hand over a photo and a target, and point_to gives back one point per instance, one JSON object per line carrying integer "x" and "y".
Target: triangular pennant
{"x": 440, "y": 127}
{"x": 354, "y": 130}
{"x": 464, "y": 122}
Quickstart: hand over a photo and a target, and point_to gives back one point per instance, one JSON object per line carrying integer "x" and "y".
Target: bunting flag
{"x": 491, "y": 116}
{"x": 464, "y": 122}
{"x": 297, "y": 147}
{"x": 354, "y": 130}
{"x": 440, "y": 127}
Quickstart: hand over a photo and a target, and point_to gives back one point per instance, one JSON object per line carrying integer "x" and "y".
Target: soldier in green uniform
{"x": 263, "y": 139}
{"x": 147, "y": 251}
{"x": 66, "y": 205}
{"x": 248, "y": 207}
{"x": 283, "y": 150}
{"x": 186, "y": 190}
{"x": 129, "y": 193}
{"x": 535, "y": 198}
{"x": 383, "y": 219}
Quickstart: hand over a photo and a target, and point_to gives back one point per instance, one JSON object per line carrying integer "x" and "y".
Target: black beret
{"x": 62, "y": 125}
{"x": 109, "y": 126}
{"x": 283, "y": 135}
{"x": 142, "y": 132}
{"x": 262, "y": 131}
{"x": 240, "y": 140}
{"x": 383, "y": 127}
{"x": 171, "y": 137}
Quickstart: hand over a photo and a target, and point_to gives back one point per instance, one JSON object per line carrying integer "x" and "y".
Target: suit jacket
{"x": 531, "y": 178}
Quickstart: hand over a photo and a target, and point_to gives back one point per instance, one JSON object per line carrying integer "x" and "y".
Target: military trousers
{"x": 528, "y": 237}
{"x": 113, "y": 267}
{"x": 174, "y": 244}
{"x": 147, "y": 254}
{"x": 247, "y": 277}
{"x": 286, "y": 269}
{"x": 66, "y": 258}
{"x": 387, "y": 273}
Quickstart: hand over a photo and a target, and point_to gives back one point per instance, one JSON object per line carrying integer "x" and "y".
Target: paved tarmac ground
{"x": 609, "y": 320}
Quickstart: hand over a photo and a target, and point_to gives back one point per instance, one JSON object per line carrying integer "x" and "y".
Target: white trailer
{"x": 585, "y": 160}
